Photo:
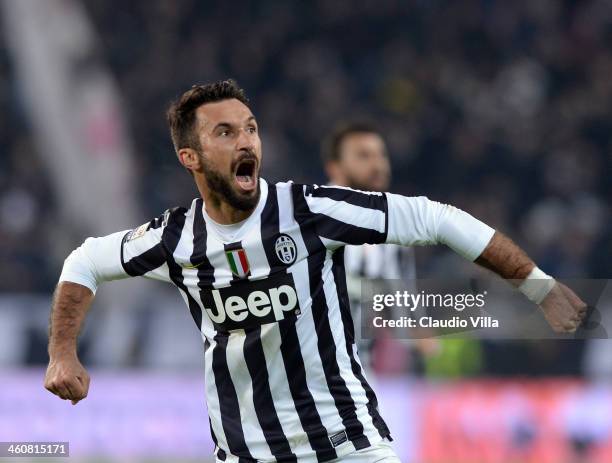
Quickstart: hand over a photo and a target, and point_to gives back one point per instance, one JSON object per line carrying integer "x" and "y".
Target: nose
{"x": 245, "y": 141}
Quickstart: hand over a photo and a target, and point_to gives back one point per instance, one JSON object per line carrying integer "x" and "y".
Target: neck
{"x": 223, "y": 213}
{"x": 218, "y": 209}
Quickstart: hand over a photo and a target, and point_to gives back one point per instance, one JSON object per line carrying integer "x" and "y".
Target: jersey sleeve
{"x": 345, "y": 216}
{"x": 420, "y": 221}
{"x": 129, "y": 253}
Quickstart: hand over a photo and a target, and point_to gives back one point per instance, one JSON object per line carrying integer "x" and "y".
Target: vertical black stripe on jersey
{"x": 327, "y": 348}
{"x": 349, "y": 329}
{"x": 218, "y": 450}
{"x": 290, "y": 346}
{"x": 206, "y": 272}
{"x": 270, "y": 230}
{"x": 228, "y": 401}
{"x": 302, "y": 398}
{"x": 170, "y": 238}
{"x": 262, "y": 398}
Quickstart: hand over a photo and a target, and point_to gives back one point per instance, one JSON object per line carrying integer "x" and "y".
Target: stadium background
{"x": 501, "y": 108}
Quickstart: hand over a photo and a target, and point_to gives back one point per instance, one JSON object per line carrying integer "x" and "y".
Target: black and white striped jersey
{"x": 375, "y": 262}
{"x": 269, "y": 295}
{"x": 382, "y": 261}
{"x": 386, "y": 261}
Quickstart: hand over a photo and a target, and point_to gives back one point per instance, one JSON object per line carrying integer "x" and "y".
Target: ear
{"x": 189, "y": 159}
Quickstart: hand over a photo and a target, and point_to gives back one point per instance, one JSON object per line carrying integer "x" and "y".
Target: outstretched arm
{"x": 119, "y": 255}
{"x": 95, "y": 261}
{"x": 65, "y": 376}
{"x": 418, "y": 220}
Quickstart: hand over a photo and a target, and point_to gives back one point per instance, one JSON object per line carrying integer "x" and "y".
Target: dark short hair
{"x": 182, "y": 112}
{"x": 330, "y": 148}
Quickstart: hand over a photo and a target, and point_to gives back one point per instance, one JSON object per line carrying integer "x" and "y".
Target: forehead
{"x": 230, "y": 111}
{"x": 362, "y": 141}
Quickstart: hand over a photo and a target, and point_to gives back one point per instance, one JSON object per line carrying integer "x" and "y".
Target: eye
{"x": 224, "y": 133}
{"x": 252, "y": 129}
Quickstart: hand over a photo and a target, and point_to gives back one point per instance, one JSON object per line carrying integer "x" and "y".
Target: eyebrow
{"x": 228, "y": 125}
{"x": 222, "y": 124}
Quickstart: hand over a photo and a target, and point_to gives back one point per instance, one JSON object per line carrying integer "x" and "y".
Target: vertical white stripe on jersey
{"x": 253, "y": 434}
{"x": 212, "y": 398}
{"x": 257, "y": 255}
{"x": 342, "y": 355}
{"x": 285, "y": 206}
{"x": 216, "y": 255}
{"x": 283, "y": 402}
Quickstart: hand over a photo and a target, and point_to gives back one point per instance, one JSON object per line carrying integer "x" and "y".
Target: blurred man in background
{"x": 355, "y": 155}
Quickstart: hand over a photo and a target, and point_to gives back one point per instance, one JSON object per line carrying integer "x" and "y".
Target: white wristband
{"x": 537, "y": 285}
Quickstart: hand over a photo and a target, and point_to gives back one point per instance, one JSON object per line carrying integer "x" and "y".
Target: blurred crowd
{"x": 501, "y": 108}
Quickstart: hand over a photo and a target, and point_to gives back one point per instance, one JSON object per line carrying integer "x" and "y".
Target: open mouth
{"x": 245, "y": 175}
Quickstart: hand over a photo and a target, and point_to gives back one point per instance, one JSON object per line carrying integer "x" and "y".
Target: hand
{"x": 67, "y": 379}
{"x": 563, "y": 310}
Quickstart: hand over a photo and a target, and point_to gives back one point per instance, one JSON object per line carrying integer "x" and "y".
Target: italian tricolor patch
{"x": 238, "y": 262}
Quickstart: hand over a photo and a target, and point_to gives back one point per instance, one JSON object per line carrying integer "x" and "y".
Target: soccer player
{"x": 261, "y": 269}
{"x": 354, "y": 155}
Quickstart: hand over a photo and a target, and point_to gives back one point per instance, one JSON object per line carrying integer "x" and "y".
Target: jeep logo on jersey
{"x": 285, "y": 248}
{"x": 251, "y": 303}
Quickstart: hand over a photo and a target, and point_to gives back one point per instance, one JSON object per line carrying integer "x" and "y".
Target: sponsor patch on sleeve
{"x": 338, "y": 438}
{"x": 137, "y": 232}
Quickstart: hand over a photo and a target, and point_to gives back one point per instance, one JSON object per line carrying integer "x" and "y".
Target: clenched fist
{"x": 563, "y": 310}
{"x": 67, "y": 379}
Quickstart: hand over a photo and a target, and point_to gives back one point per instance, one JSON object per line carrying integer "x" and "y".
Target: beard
{"x": 221, "y": 185}
{"x": 368, "y": 185}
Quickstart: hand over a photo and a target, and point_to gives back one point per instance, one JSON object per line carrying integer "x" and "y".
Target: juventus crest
{"x": 285, "y": 248}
